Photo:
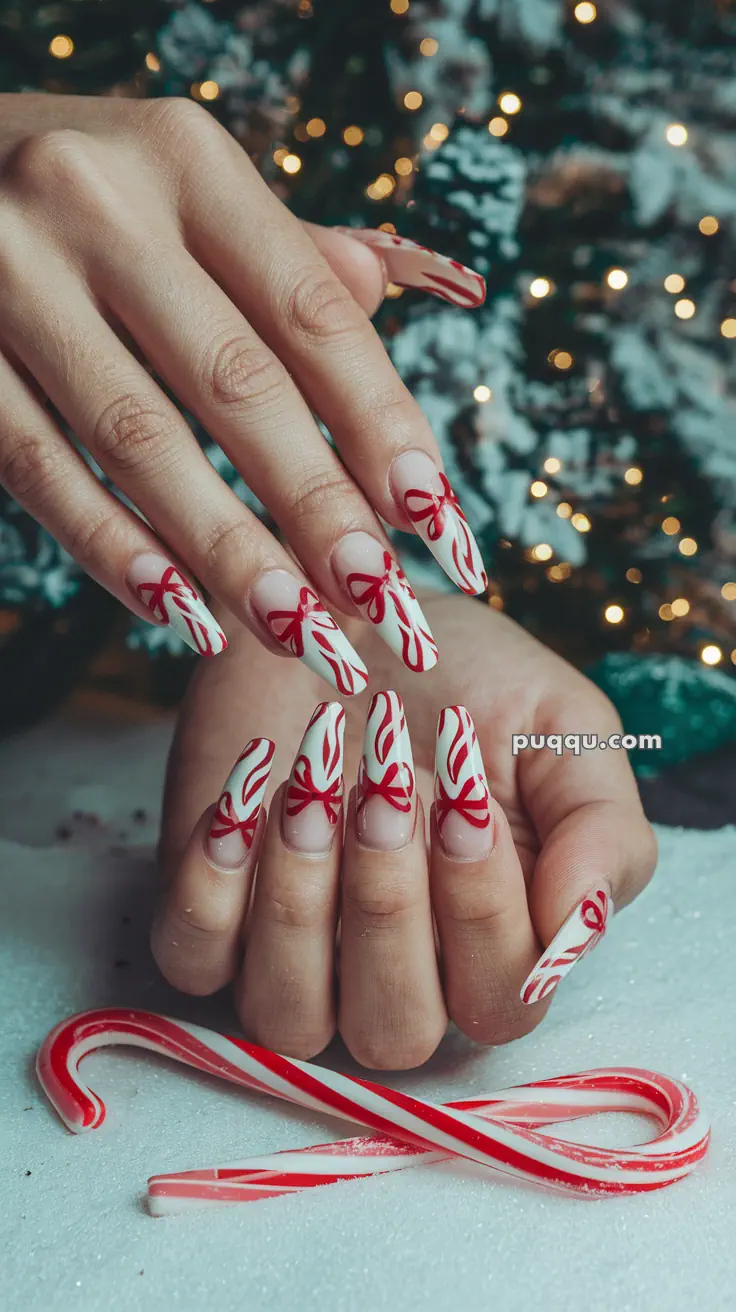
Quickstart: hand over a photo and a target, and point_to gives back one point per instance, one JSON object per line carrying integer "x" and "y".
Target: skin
{"x": 561, "y": 824}
{"x": 121, "y": 257}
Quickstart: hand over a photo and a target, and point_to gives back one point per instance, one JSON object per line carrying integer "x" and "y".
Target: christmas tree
{"x": 581, "y": 157}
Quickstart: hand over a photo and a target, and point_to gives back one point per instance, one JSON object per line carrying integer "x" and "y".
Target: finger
{"x": 285, "y": 993}
{"x": 197, "y": 930}
{"x": 141, "y": 441}
{"x": 598, "y": 850}
{"x": 391, "y": 1014}
{"x": 309, "y": 319}
{"x": 360, "y": 268}
{"x": 210, "y": 357}
{"x": 478, "y": 892}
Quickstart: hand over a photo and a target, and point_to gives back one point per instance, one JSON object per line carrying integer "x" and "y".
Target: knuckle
{"x": 29, "y": 469}
{"x": 291, "y": 911}
{"x": 129, "y": 433}
{"x": 316, "y": 499}
{"x": 319, "y": 308}
{"x": 179, "y": 113}
{"x": 225, "y": 547}
{"x": 382, "y": 909}
{"x": 242, "y": 371}
{"x": 88, "y": 538}
{"x": 50, "y": 158}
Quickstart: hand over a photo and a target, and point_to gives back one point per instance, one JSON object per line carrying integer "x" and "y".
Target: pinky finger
{"x": 44, "y": 474}
{"x": 197, "y": 931}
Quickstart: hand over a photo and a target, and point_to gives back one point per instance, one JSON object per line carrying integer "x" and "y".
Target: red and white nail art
{"x": 462, "y": 797}
{"x": 582, "y": 930}
{"x": 241, "y": 799}
{"x": 386, "y": 776}
{"x": 433, "y": 508}
{"x": 384, "y": 598}
{"x": 410, "y": 265}
{"x": 171, "y": 599}
{"x": 314, "y": 793}
{"x": 296, "y": 618}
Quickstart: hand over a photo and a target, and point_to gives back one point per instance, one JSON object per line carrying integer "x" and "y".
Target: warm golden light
{"x": 393, "y": 291}
{"x": 634, "y": 475}
{"x": 674, "y": 282}
{"x": 482, "y": 393}
{"x": 709, "y": 225}
{"x": 666, "y": 612}
{"x": 509, "y": 103}
{"x": 680, "y": 606}
{"x": 617, "y": 279}
{"x": 542, "y": 551}
{"x": 280, "y": 155}
{"x": 676, "y": 134}
{"x": 209, "y": 90}
{"x": 538, "y": 488}
{"x": 413, "y": 99}
{"x": 685, "y": 309}
{"x": 498, "y": 127}
{"x": 728, "y": 591}
{"x": 581, "y": 523}
{"x": 614, "y": 614}
{"x": 552, "y": 465}
{"x": 585, "y": 12}
{"x": 439, "y": 131}
{"x": 558, "y": 573}
{"x": 403, "y": 166}
{"x": 153, "y": 62}
{"x": 688, "y": 546}
{"x": 540, "y": 287}
{"x": 61, "y": 47}
{"x": 381, "y": 188}
{"x": 353, "y": 135}
{"x": 634, "y": 575}
{"x": 561, "y": 359}
{"x": 711, "y": 655}
{"x": 316, "y": 127}
{"x": 728, "y": 328}
{"x": 564, "y": 510}
{"x": 291, "y": 164}
{"x": 399, "y": 6}
{"x": 428, "y": 46}
{"x": 671, "y": 525}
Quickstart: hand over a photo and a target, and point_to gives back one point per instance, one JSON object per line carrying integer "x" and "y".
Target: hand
{"x": 561, "y": 827}
{"x": 138, "y": 244}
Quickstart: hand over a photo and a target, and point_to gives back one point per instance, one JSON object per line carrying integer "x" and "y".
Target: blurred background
{"x": 582, "y": 157}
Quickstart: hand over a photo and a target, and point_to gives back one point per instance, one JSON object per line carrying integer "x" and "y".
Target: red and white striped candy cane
{"x": 505, "y": 1137}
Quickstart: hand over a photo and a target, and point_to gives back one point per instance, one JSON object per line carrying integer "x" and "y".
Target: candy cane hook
{"x": 504, "y": 1137}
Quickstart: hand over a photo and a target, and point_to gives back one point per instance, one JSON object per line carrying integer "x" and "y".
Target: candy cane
{"x": 506, "y": 1141}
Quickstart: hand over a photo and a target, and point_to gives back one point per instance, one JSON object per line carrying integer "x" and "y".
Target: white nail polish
{"x": 296, "y": 618}
{"x": 377, "y": 585}
{"x": 314, "y": 793}
{"x": 582, "y": 931}
{"x": 170, "y": 598}
{"x": 234, "y": 822}
{"x": 428, "y": 501}
{"x": 410, "y": 265}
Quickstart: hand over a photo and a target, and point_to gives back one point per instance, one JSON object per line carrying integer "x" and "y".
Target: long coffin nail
{"x": 172, "y": 600}
{"x": 377, "y": 585}
{"x": 462, "y": 797}
{"x": 295, "y": 617}
{"x": 425, "y": 496}
{"x": 313, "y": 797}
{"x": 410, "y": 265}
{"x": 385, "y": 801}
{"x": 233, "y": 825}
{"x": 582, "y": 930}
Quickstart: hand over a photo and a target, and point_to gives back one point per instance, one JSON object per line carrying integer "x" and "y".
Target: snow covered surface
{"x": 74, "y": 1231}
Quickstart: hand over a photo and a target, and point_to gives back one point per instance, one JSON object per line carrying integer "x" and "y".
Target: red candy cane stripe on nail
{"x": 172, "y": 598}
{"x": 582, "y": 931}
{"x": 317, "y": 773}
{"x": 388, "y": 601}
{"x": 241, "y": 799}
{"x": 440, "y": 517}
{"x": 410, "y": 265}
{"x": 311, "y": 633}
{"x": 387, "y": 767}
{"x": 460, "y": 781}
{"x": 504, "y": 1138}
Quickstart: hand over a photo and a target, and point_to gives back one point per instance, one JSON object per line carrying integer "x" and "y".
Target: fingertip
{"x": 358, "y": 267}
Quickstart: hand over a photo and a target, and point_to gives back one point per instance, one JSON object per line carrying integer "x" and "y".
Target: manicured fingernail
{"x": 582, "y": 930}
{"x": 385, "y": 801}
{"x": 313, "y": 797}
{"x": 172, "y": 600}
{"x": 428, "y": 501}
{"x": 410, "y": 265}
{"x": 233, "y": 826}
{"x": 295, "y": 617}
{"x": 376, "y": 583}
{"x": 462, "y": 797}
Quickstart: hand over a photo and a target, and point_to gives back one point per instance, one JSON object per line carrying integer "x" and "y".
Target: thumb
{"x": 357, "y": 266}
